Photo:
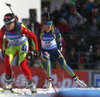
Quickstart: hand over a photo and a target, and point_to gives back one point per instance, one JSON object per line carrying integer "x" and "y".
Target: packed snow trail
{"x": 65, "y": 92}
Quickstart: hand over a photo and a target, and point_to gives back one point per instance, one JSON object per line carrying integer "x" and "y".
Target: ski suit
{"x": 50, "y": 44}
{"x": 17, "y": 44}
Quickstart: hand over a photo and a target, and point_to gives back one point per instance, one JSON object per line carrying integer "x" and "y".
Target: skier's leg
{"x": 59, "y": 57}
{"x": 23, "y": 55}
{"x": 47, "y": 62}
{"x": 9, "y": 54}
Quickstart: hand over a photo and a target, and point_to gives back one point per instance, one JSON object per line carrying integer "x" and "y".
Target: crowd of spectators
{"x": 78, "y": 21}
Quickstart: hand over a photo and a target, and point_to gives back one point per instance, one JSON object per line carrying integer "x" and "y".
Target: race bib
{"x": 24, "y": 48}
{"x": 48, "y": 43}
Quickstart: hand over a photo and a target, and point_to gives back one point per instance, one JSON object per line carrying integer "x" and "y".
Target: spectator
{"x": 63, "y": 26}
{"x": 72, "y": 6}
{"x": 85, "y": 13}
{"x": 55, "y": 15}
{"x": 66, "y": 5}
{"x": 76, "y": 20}
{"x": 94, "y": 30}
{"x": 90, "y": 5}
{"x": 45, "y": 14}
{"x": 64, "y": 13}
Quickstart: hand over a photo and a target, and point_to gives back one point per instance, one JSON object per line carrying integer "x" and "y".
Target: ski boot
{"x": 9, "y": 83}
{"x": 32, "y": 87}
{"x": 48, "y": 84}
{"x": 79, "y": 82}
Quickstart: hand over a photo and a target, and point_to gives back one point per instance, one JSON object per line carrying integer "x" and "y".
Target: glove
{"x": 60, "y": 48}
{"x": 36, "y": 54}
{"x": 3, "y": 53}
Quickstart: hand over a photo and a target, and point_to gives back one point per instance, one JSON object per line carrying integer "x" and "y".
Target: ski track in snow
{"x": 40, "y": 92}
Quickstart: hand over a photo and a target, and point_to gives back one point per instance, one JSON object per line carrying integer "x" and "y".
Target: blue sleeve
{"x": 19, "y": 26}
{"x": 58, "y": 38}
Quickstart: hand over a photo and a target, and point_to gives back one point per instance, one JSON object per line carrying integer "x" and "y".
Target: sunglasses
{"x": 47, "y": 26}
{"x": 8, "y": 23}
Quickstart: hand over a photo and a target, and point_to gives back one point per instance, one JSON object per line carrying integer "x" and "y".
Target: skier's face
{"x": 10, "y": 26}
{"x": 47, "y": 28}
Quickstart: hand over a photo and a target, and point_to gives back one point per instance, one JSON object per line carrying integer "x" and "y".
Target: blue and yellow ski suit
{"x": 50, "y": 44}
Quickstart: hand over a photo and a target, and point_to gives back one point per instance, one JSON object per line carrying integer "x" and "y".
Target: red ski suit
{"x": 23, "y": 64}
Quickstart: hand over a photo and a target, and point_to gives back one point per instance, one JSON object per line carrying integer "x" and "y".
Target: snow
{"x": 27, "y": 93}
{"x": 73, "y": 92}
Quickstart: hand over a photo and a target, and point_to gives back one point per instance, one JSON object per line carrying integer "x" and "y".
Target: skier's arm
{"x": 30, "y": 34}
{"x": 2, "y": 30}
{"x": 58, "y": 38}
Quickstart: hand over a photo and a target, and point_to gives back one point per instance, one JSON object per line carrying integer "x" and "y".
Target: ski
{"x": 15, "y": 92}
{"x": 10, "y": 91}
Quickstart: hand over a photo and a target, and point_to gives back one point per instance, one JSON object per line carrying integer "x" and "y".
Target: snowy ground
{"x": 40, "y": 93}
{"x": 73, "y": 92}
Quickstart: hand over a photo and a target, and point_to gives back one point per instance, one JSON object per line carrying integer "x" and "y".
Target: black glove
{"x": 60, "y": 48}
{"x": 36, "y": 54}
{"x": 3, "y": 53}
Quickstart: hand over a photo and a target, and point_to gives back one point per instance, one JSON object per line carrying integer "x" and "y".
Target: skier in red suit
{"x": 16, "y": 34}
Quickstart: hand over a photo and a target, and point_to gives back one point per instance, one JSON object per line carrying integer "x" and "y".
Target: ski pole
{"x": 9, "y": 5}
{"x": 16, "y": 79}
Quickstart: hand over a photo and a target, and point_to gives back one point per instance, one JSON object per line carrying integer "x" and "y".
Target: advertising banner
{"x": 60, "y": 78}
{"x": 97, "y": 80}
